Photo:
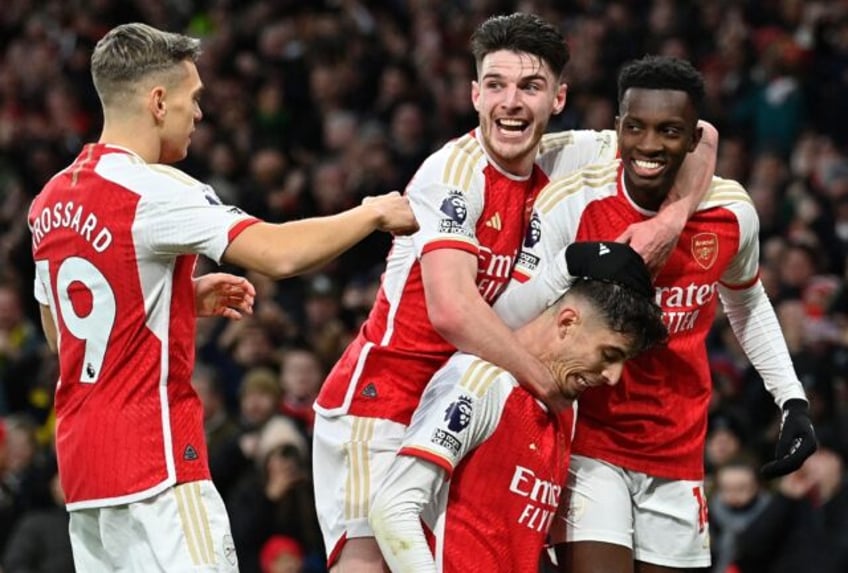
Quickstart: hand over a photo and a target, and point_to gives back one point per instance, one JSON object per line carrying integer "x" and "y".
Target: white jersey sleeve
{"x": 541, "y": 276}
{"x": 755, "y": 326}
{"x": 746, "y": 303}
{"x": 176, "y": 214}
{"x": 446, "y": 195}
{"x": 561, "y": 153}
{"x": 744, "y": 267}
{"x": 460, "y": 408}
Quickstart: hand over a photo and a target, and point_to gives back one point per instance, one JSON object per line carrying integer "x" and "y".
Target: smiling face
{"x": 181, "y": 101}
{"x": 586, "y": 353}
{"x": 514, "y": 96}
{"x": 656, "y": 129}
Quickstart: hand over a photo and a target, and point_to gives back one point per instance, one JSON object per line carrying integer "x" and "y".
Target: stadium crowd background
{"x": 311, "y": 106}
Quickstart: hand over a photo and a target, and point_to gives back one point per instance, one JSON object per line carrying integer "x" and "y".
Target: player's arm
{"x": 48, "y": 325}
{"x": 754, "y": 323}
{"x": 656, "y": 238}
{"x": 283, "y": 250}
{"x": 463, "y": 318}
{"x": 395, "y": 515}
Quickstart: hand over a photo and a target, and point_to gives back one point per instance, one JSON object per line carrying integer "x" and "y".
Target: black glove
{"x": 610, "y": 262}
{"x": 796, "y": 442}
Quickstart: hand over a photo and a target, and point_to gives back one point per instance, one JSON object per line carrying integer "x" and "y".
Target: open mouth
{"x": 646, "y": 167}
{"x": 512, "y": 126}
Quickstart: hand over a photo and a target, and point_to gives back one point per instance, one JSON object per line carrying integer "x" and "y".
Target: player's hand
{"x": 393, "y": 212}
{"x": 796, "y": 442}
{"x": 223, "y": 294}
{"x": 608, "y": 261}
{"x": 655, "y": 238}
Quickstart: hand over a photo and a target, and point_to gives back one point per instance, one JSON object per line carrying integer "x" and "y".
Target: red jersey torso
{"x": 462, "y": 201}
{"x": 128, "y": 422}
{"x": 507, "y": 467}
{"x": 654, "y": 420}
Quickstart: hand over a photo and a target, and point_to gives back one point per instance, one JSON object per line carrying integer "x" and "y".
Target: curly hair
{"x": 662, "y": 73}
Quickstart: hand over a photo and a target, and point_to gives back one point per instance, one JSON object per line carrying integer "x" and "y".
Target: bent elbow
{"x": 447, "y": 320}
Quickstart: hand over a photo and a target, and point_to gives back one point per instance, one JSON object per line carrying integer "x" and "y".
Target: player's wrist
{"x": 796, "y": 405}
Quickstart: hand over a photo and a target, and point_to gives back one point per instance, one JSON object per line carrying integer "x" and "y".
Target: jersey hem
{"x": 124, "y": 499}
{"x": 652, "y": 468}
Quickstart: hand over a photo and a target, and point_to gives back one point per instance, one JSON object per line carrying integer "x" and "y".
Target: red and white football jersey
{"x": 115, "y": 241}
{"x": 654, "y": 420}
{"x": 506, "y": 457}
{"x": 462, "y": 201}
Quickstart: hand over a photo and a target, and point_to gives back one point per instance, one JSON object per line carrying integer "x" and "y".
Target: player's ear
{"x": 475, "y": 95}
{"x": 696, "y": 138}
{"x": 559, "y": 100}
{"x": 567, "y": 318}
{"x": 156, "y": 102}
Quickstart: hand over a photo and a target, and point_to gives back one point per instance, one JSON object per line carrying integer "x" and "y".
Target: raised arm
{"x": 463, "y": 318}
{"x": 655, "y": 238}
{"x": 295, "y": 247}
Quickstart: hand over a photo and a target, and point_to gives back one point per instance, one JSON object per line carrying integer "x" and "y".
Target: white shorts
{"x": 184, "y": 528}
{"x": 350, "y": 458}
{"x": 663, "y": 521}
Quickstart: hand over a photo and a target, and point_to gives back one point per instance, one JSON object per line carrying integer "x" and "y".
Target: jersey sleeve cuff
{"x": 239, "y": 227}
{"x": 743, "y": 285}
{"x": 451, "y": 244}
{"x": 429, "y": 456}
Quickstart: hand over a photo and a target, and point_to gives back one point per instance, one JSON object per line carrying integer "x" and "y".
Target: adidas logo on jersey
{"x": 370, "y": 391}
{"x": 494, "y": 222}
{"x": 604, "y": 250}
{"x": 189, "y": 453}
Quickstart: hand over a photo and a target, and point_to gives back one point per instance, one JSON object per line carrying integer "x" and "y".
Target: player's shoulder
{"x": 149, "y": 180}
{"x": 454, "y": 163}
{"x": 726, "y": 193}
{"x": 478, "y": 377}
{"x": 553, "y": 143}
{"x": 587, "y": 184}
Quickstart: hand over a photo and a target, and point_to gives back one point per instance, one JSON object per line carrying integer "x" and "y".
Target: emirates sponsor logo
{"x": 542, "y": 498}
{"x": 705, "y": 249}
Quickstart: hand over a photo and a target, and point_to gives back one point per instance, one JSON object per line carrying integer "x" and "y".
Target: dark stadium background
{"x": 313, "y": 105}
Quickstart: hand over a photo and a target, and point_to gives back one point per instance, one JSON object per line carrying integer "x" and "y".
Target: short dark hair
{"x": 521, "y": 32}
{"x": 662, "y": 73}
{"x": 625, "y": 311}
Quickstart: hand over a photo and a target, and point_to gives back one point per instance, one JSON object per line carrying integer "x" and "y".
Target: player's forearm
{"x": 694, "y": 178}
{"x": 296, "y": 247}
{"x": 522, "y": 302}
{"x": 755, "y": 325}
{"x": 473, "y": 327}
{"x": 395, "y": 516}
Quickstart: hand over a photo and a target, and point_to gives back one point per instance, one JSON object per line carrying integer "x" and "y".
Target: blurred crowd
{"x": 311, "y": 106}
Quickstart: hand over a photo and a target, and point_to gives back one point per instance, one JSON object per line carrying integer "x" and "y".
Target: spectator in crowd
{"x": 39, "y": 542}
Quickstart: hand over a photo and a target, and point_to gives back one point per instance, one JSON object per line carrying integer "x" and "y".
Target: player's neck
{"x": 648, "y": 199}
{"x": 128, "y": 136}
